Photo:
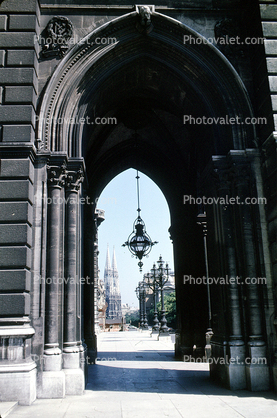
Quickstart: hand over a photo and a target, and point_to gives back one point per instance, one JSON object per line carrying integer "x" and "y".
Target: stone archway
{"x": 148, "y": 82}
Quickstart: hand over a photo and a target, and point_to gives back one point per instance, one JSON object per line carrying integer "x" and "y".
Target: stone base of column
{"x": 84, "y": 361}
{"x": 74, "y": 381}
{"x": 52, "y": 359}
{"x": 236, "y": 377}
{"x": 18, "y": 383}
{"x": 257, "y": 370}
{"x": 257, "y": 376}
{"x": 235, "y": 369}
{"x": 71, "y": 359}
{"x": 217, "y": 362}
{"x": 83, "y": 357}
{"x": 155, "y": 335}
{"x": 52, "y": 385}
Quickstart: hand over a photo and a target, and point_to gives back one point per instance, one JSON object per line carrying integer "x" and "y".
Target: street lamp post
{"x": 203, "y": 222}
{"x": 160, "y": 275}
{"x": 163, "y": 277}
{"x": 139, "y": 296}
{"x": 141, "y": 293}
{"x": 151, "y": 282}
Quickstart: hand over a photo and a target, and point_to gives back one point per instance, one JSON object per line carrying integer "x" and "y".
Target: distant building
{"x": 170, "y": 285}
{"x": 126, "y": 308}
{"x": 113, "y": 295}
{"x": 114, "y": 325}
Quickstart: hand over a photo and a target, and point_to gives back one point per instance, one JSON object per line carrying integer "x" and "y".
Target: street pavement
{"x": 137, "y": 377}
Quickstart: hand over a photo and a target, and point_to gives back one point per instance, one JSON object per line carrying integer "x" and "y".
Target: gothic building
{"x": 185, "y": 92}
{"x": 111, "y": 281}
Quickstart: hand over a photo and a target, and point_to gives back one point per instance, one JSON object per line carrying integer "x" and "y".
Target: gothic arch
{"x": 208, "y": 77}
{"x": 148, "y": 82}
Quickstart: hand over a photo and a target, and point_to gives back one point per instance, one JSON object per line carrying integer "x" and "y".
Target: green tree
{"x": 170, "y": 310}
{"x": 132, "y": 318}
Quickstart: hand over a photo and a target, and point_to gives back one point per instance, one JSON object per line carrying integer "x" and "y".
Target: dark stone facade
{"x": 133, "y": 68}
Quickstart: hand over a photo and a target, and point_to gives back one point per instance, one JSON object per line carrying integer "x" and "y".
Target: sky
{"x": 119, "y": 201}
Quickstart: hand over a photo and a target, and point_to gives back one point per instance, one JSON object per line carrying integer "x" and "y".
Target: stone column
{"x": 80, "y": 286}
{"x": 257, "y": 371}
{"x": 235, "y": 370}
{"x": 88, "y": 286}
{"x": 94, "y": 218}
{"x": 191, "y": 302}
{"x": 53, "y": 380}
{"x": 74, "y": 379}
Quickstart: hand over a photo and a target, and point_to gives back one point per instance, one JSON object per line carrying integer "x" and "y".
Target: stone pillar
{"x": 191, "y": 299}
{"x": 257, "y": 371}
{"x": 96, "y": 278}
{"x": 94, "y": 217}
{"x": 235, "y": 370}
{"x": 80, "y": 286}
{"x": 88, "y": 269}
{"x": 53, "y": 379}
{"x": 184, "y": 331}
{"x": 74, "y": 378}
{"x": 268, "y": 213}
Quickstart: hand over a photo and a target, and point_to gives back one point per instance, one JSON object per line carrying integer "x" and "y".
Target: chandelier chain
{"x": 137, "y": 177}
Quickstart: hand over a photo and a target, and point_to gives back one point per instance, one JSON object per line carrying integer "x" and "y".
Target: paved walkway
{"x": 138, "y": 377}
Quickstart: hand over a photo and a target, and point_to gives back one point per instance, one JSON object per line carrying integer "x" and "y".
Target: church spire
{"x": 108, "y": 260}
{"x": 114, "y": 264}
{"x": 111, "y": 280}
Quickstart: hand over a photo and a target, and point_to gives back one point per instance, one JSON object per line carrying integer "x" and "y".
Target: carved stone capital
{"x": 56, "y": 175}
{"x": 74, "y": 179}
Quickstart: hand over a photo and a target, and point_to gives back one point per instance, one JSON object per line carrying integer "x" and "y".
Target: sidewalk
{"x": 136, "y": 376}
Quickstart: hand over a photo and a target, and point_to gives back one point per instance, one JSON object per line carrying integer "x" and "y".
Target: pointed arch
{"x": 76, "y": 89}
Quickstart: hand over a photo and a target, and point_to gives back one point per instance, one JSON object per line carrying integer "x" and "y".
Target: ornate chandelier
{"x": 139, "y": 242}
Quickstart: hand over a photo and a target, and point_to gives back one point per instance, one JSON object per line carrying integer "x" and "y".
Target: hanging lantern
{"x": 139, "y": 242}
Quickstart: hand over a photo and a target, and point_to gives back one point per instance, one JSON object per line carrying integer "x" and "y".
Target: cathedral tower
{"x": 111, "y": 280}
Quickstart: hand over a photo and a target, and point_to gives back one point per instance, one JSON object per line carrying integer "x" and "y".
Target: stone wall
{"x": 18, "y": 79}
{"x": 25, "y": 71}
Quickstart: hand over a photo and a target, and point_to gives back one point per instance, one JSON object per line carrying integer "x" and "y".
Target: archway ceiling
{"x": 148, "y": 99}
{"x": 139, "y": 88}
{"x": 148, "y": 83}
